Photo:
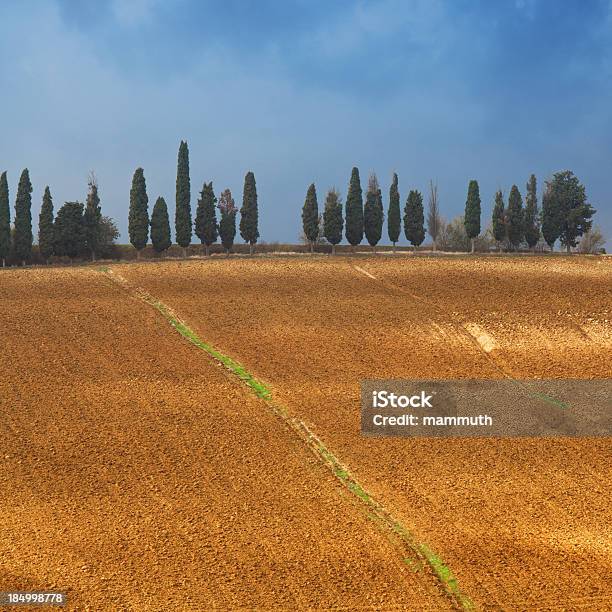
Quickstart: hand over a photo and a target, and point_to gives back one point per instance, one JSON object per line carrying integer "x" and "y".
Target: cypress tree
{"x": 332, "y": 219}
{"x": 354, "y": 210}
{"x": 249, "y": 216}
{"x": 227, "y": 225}
{"x": 206, "y": 226}
{"x": 46, "y": 236}
{"x": 138, "y": 222}
{"x": 22, "y": 239}
{"x": 515, "y": 217}
{"x": 69, "y": 230}
{"x": 310, "y": 216}
{"x": 551, "y": 220}
{"x": 182, "y": 221}
{"x": 498, "y": 221}
{"x": 5, "y": 220}
{"x": 373, "y": 214}
{"x": 394, "y": 217}
{"x": 434, "y": 220}
{"x": 532, "y": 226}
{"x": 414, "y": 218}
{"x": 92, "y": 218}
{"x": 160, "y": 226}
{"x": 572, "y": 209}
{"x": 471, "y": 219}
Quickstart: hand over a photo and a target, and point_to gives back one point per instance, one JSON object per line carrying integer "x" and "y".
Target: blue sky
{"x": 302, "y": 90}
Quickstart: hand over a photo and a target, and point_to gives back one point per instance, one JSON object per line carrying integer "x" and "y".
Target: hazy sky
{"x": 301, "y": 91}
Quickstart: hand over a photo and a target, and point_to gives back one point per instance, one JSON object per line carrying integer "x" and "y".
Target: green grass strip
{"x": 377, "y": 512}
{"x": 442, "y": 572}
{"x": 258, "y": 387}
{"x": 445, "y": 575}
{"x": 551, "y": 400}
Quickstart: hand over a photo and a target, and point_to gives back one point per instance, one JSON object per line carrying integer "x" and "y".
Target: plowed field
{"x": 523, "y": 523}
{"x": 135, "y": 473}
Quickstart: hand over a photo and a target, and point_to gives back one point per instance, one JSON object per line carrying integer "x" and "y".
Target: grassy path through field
{"x": 419, "y": 550}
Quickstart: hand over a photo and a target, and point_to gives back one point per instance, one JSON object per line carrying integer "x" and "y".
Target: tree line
{"x": 565, "y": 215}
{"x": 205, "y": 224}
{"x": 80, "y": 229}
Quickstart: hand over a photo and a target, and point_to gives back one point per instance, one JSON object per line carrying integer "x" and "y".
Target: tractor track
{"x": 462, "y": 332}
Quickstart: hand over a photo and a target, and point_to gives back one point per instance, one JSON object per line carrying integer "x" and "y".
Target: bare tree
{"x": 434, "y": 221}
{"x": 592, "y": 241}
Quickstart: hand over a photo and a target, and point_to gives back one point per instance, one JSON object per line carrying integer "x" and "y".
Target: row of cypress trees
{"x": 565, "y": 214}
{"x": 76, "y": 229}
{"x": 205, "y": 224}
{"x": 363, "y": 219}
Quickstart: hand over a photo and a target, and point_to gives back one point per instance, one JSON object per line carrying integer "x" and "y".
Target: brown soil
{"x": 138, "y": 474}
{"x": 522, "y": 523}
